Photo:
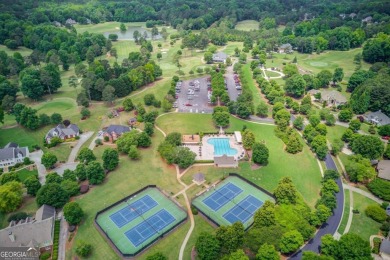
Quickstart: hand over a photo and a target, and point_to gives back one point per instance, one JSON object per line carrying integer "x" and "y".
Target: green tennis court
{"x": 233, "y": 199}
{"x": 140, "y": 219}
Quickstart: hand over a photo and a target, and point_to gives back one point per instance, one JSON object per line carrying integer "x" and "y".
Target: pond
{"x": 128, "y": 35}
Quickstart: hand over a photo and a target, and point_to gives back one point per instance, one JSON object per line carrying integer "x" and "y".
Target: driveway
{"x": 63, "y": 237}
{"x": 71, "y": 166}
{"x": 75, "y": 150}
{"x": 36, "y": 157}
{"x": 332, "y": 224}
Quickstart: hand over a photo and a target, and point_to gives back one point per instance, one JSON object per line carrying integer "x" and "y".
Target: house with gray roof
{"x": 383, "y": 169}
{"x": 331, "y": 97}
{"x": 12, "y": 154}
{"x": 220, "y": 57}
{"x": 63, "y": 132}
{"x": 31, "y": 232}
{"x": 384, "y": 250}
{"x": 113, "y": 132}
{"x": 377, "y": 118}
{"x": 285, "y": 48}
{"x": 225, "y": 161}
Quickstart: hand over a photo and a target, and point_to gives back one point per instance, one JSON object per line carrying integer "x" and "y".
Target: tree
{"x": 56, "y": 118}
{"x": 85, "y": 112}
{"x": 53, "y": 177}
{"x": 80, "y": 172}
{"x": 370, "y": 147}
{"x": 291, "y": 241}
{"x": 71, "y": 187}
{"x": 73, "y": 213}
{"x": 337, "y": 146}
{"x": 95, "y": 173}
{"x": 376, "y": 212}
{"x": 166, "y": 105}
{"x": 323, "y": 212}
{"x": 248, "y": 139}
{"x": 12, "y": 176}
{"x": 330, "y": 120}
{"x": 208, "y": 57}
{"x": 357, "y": 78}
{"x": 157, "y": 256}
{"x": 314, "y": 120}
{"x": 345, "y": 115}
{"x": 260, "y": 153}
{"x": 324, "y": 77}
{"x": 128, "y": 105}
{"x": 256, "y": 237}
{"x": 298, "y": 122}
{"x": 238, "y": 255}
{"x": 231, "y": 237}
{"x": 32, "y": 184}
{"x": 83, "y": 249}
{"x": 359, "y": 169}
{"x": 321, "y": 129}
{"x": 52, "y": 194}
{"x": 290, "y": 70}
{"x": 352, "y": 246}
{"x": 338, "y": 75}
{"x": 354, "y": 125}
{"x": 285, "y": 192}
{"x": 110, "y": 159}
{"x": 114, "y": 53}
{"x": 221, "y": 119}
{"x": 44, "y": 120}
{"x": 174, "y": 138}
{"x": 48, "y": 160}
{"x": 144, "y": 140}
{"x": 30, "y": 84}
{"x": 295, "y": 85}
{"x": 294, "y": 144}
{"x": 86, "y": 155}
{"x": 267, "y": 252}
{"x": 113, "y": 37}
{"x": 134, "y": 153}
{"x": 11, "y": 196}
{"x": 328, "y": 245}
{"x": 262, "y": 110}
{"x": 207, "y": 246}
{"x": 184, "y": 157}
{"x": 265, "y": 216}
{"x": 123, "y": 27}
{"x": 108, "y": 94}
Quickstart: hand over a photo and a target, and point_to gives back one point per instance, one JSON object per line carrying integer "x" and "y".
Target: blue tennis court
{"x": 243, "y": 210}
{"x": 133, "y": 210}
{"x": 222, "y": 196}
{"x": 152, "y": 225}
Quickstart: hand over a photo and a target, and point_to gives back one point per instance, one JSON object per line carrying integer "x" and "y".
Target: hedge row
{"x": 56, "y": 239}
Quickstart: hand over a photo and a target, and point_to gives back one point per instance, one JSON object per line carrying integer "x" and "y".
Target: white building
{"x": 12, "y": 154}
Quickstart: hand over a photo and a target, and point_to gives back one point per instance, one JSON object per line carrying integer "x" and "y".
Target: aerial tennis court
{"x": 137, "y": 221}
{"x": 234, "y": 199}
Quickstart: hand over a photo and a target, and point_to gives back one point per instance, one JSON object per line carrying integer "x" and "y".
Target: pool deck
{"x": 206, "y": 150}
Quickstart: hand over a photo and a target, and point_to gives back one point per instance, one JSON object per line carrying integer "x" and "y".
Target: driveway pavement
{"x": 332, "y": 224}
{"x": 71, "y": 166}
{"x": 231, "y": 84}
{"x": 63, "y": 237}
{"x": 75, "y": 150}
{"x": 36, "y": 157}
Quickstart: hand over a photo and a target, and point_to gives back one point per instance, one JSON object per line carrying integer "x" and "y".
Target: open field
{"x": 251, "y": 84}
{"x": 24, "y": 174}
{"x": 361, "y": 224}
{"x": 22, "y": 50}
{"x": 302, "y": 167}
{"x": 247, "y": 25}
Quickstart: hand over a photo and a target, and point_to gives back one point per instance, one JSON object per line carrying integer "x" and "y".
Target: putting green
{"x": 319, "y": 64}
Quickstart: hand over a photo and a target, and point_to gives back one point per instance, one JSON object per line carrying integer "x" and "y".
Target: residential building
{"x": 12, "y": 154}
{"x": 285, "y": 48}
{"x": 220, "y": 57}
{"x": 113, "y": 132}
{"x": 384, "y": 250}
{"x": 377, "y": 118}
{"x": 31, "y": 232}
{"x": 331, "y": 97}
{"x": 63, "y": 132}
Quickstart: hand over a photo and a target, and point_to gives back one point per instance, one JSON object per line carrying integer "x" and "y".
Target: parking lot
{"x": 193, "y": 95}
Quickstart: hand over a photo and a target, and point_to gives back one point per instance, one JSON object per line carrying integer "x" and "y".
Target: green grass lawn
{"x": 62, "y": 151}
{"x": 129, "y": 177}
{"x": 335, "y": 132}
{"x": 28, "y": 205}
{"x": 361, "y": 224}
{"x": 302, "y": 167}
{"x": 272, "y": 74}
{"x": 24, "y": 174}
{"x": 347, "y": 204}
{"x": 104, "y": 27}
{"x": 230, "y": 47}
{"x": 23, "y": 137}
{"x": 251, "y": 85}
{"x": 22, "y": 50}
{"x": 247, "y": 25}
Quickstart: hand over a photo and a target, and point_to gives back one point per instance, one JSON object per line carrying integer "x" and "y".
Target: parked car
{"x": 386, "y": 137}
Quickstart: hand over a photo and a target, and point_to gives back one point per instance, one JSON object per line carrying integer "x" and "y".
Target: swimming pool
{"x": 222, "y": 146}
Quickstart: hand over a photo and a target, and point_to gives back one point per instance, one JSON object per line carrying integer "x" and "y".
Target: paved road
{"x": 231, "y": 84}
{"x": 36, "y": 157}
{"x": 83, "y": 138}
{"x": 262, "y": 120}
{"x": 330, "y": 227}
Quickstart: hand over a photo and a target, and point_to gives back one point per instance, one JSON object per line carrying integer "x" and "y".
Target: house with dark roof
{"x": 12, "y": 154}
{"x": 377, "y": 118}
{"x": 113, "y": 132}
{"x": 63, "y": 132}
{"x": 220, "y": 57}
{"x": 31, "y": 232}
{"x": 383, "y": 169}
{"x": 225, "y": 161}
{"x": 285, "y": 48}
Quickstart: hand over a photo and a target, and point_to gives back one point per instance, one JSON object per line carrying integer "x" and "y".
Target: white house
{"x": 220, "y": 57}
{"x": 12, "y": 154}
{"x": 377, "y": 118}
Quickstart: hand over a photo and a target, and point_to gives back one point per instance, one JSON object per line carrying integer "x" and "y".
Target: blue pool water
{"x": 222, "y": 146}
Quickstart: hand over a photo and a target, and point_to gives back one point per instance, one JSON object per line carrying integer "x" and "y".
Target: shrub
{"x": 45, "y": 256}
{"x": 376, "y": 213}
{"x": 380, "y": 188}
{"x": 83, "y": 249}
{"x": 194, "y": 210}
{"x": 18, "y": 216}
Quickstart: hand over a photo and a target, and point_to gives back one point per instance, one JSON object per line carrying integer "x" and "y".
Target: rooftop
{"x": 383, "y": 169}
{"x": 378, "y": 117}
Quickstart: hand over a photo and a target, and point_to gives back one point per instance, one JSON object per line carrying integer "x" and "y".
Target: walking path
{"x": 350, "y": 213}
{"x": 363, "y": 192}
